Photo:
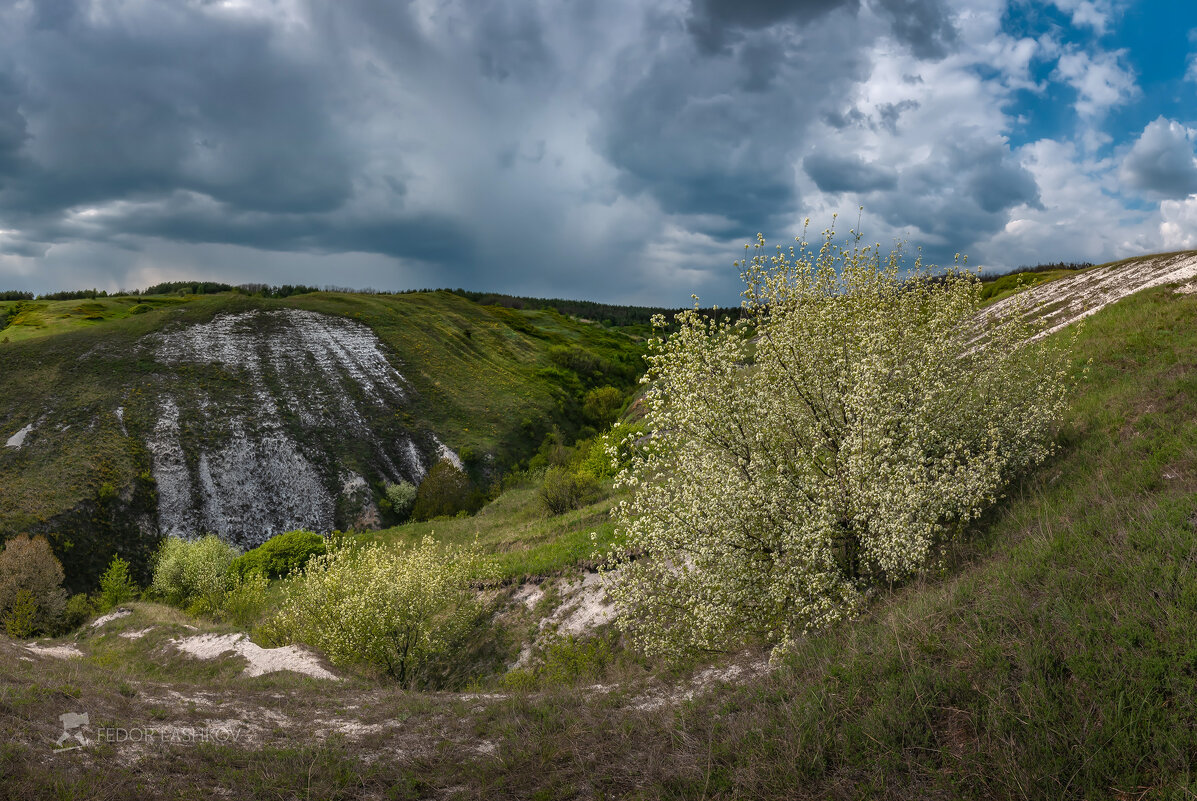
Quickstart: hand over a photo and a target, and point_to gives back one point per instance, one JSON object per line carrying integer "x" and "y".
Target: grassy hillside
{"x": 1053, "y": 658}
{"x": 490, "y": 382}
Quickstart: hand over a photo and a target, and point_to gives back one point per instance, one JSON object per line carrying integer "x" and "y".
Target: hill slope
{"x": 249, "y": 416}
{"x": 1053, "y": 659}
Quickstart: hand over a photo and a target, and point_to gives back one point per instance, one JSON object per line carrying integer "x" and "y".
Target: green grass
{"x": 525, "y": 540}
{"x": 1007, "y": 285}
{"x": 1055, "y": 657}
{"x": 35, "y": 319}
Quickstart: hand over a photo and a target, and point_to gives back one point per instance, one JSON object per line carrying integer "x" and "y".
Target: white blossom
{"x": 829, "y": 442}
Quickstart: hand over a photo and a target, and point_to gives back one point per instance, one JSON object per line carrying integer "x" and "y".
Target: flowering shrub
{"x": 194, "y": 573}
{"x": 607, "y": 454}
{"x": 401, "y": 497}
{"x": 390, "y": 609}
{"x": 829, "y": 442}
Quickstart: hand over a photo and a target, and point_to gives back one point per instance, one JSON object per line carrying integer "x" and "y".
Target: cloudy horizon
{"x": 617, "y": 151}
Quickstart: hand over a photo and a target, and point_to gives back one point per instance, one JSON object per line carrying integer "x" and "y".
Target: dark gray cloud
{"x": 848, "y": 173}
{"x": 715, "y": 133}
{"x": 1161, "y": 161}
{"x": 205, "y": 104}
{"x": 924, "y": 25}
{"x": 604, "y": 148}
{"x": 716, "y": 23}
{"x": 962, "y": 194}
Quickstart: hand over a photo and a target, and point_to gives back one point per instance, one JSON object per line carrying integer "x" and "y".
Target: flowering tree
{"x": 827, "y": 443}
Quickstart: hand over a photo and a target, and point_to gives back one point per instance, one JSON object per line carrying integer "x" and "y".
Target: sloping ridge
{"x": 1059, "y": 303}
{"x": 278, "y": 419}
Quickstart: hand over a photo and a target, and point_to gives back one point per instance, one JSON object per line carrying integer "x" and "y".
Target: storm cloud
{"x": 617, "y": 150}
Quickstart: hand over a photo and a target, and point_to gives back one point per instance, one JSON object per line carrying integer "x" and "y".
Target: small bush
{"x": 27, "y": 564}
{"x": 194, "y": 574}
{"x": 20, "y": 620}
{"x": 392, "y": 610}
{"x": 444, "y": 492}
{"x": 602, "y": 405}
{"x": 280, "y": 555}
{"x": 563, "y": 490}
{"x": 116, "y": 587}
{"x": 401, "y": 497}
{"x": 568, "y": 659}
{"x": 607, "y": 454}
{"x": 244, "y": 603}
{"x": 564, "y": 660}
{"x": 79, "y": 610}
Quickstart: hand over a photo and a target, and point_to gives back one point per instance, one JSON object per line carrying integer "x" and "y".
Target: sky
{"x": 614, "y": 150}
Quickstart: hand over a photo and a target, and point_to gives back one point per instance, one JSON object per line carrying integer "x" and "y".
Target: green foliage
{"x": 568, "y": 659}
{"x": 116, "y": 586}
{"x": 389, "y": 609}
{"x": 564, "y": 660}
{"x": 579, "y": 360}
{"x": 444, "y": 492}
{"x": 244, "y": 604}
{"x": 280, "y": 555}
{"x": 79, "y": 610}
{"x": 21, "y": 617}
{"x": 830, "y": 443}
{"x": 194, "y": 574}
{"x": 402, "y": 498}
{"x": 601, "y": 406}
{"x": 562, "y": 490}
{"x": 605, "y": 455}
{"x": 29, "y": 567}
{"x": 482, "y": 388}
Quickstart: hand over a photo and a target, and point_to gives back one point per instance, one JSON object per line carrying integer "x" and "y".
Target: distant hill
{"x": 127, "y": 418}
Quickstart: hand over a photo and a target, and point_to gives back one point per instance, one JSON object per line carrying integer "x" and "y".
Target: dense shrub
{"x": 245, "y": 601}
{"x": 79, "y": 610}
{"x": 602, "y": 405}
{"x": 445, "y": 491}
{"x": 31, "y": 592}
{"x": 194, "y": 574}
{"x": 280, "y": 555}
{"x": 402, "y": 498}
{"x": 579, "y": 360}
{"x": 389, "y": 609}
{"x": 605, "y": 455}
{"x": 116, "y": 587}
{"x": 828, "y": 444}
{"x": 21, "y": 618}
{"x": 562, "y": 489}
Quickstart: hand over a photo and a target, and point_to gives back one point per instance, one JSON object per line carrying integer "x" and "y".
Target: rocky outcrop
{"x": 278, "y": 420}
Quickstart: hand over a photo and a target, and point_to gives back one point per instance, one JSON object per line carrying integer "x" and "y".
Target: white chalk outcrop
{"x": 244, "y": 443}
{"x": 1058, "y": 303}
